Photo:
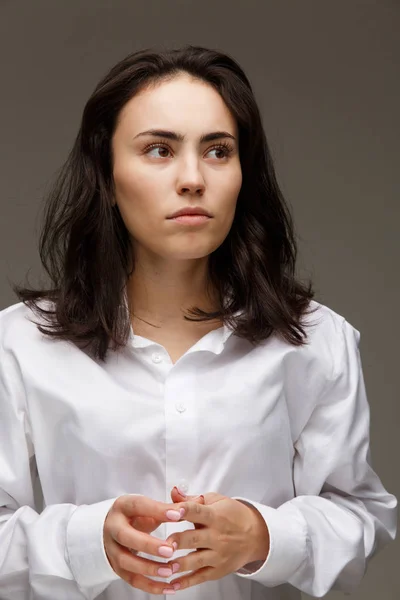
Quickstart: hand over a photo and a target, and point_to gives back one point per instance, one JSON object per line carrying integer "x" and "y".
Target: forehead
{"x": 184, "y": 104}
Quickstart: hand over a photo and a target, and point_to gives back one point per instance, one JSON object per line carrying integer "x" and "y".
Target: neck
{"x": 159, "y": 294}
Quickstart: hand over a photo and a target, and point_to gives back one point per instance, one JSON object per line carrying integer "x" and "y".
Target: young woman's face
{"x": 155, "y": 176}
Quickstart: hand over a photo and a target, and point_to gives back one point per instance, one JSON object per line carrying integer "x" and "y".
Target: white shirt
{"x": 285, "y": 428}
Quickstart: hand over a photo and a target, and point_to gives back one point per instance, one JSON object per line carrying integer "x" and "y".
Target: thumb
{"x": 177, "y": 496}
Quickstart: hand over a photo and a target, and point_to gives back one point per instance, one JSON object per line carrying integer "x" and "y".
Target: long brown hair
{"x": 84, "y": 243}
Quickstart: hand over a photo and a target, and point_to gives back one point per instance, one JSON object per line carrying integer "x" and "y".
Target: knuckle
{"x": 139, "y": 582}
{"x": 118, "y": 504}
{"x": 206, "y": 575}
{"x": 148, "y": 548}
{"x": 125, "y": 562}
{"x": 227, "y": 527}
{"x": 200, "y": 562}
{"x": 154, "y": 587}
{"x": 133, "y": 502}
{"x": 135, "y": 581}
{"x": 201, "y": 578}
{"x": 120, "y": 562}
{"x": 119, "y": 535}
{"x": 223, "y": 528}
{"x": 125, "y": 576}
{"x": 214, "y": 563}
{"x": 118, "y": 501}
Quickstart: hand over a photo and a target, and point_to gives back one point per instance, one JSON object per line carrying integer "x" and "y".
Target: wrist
{"x": 259, "y": 545}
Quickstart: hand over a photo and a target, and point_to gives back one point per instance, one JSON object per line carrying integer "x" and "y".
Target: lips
{"x": 190, "y": 211}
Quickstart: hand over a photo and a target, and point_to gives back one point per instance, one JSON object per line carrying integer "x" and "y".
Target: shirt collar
{"x": 214, "y": 341}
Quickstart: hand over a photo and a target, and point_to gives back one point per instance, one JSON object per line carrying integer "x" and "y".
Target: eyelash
{"x": 222, "y": 146}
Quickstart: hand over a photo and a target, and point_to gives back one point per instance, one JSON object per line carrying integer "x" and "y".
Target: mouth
{"x": 190, "y": 211}
{"x": 191, "y": 219}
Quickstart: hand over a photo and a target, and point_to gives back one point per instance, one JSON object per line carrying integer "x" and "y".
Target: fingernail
{"x": 164, "y": 572}
{"x": 176, "y": 586}
{"x": 182, "y": 512}
{"x": 174, "y": 515}
{"x": 175, "y": 567}
{"x": 198, "y": 497}
{"x": 168, "y": 591}
{"x": 175, "y": 545}
{"x": 165, "y": 551}
{"x": 180, "y": 492}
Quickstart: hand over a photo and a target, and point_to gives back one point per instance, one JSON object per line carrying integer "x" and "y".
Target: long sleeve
{"x": 58, "y": 553}
{"x": 341, "y": 516}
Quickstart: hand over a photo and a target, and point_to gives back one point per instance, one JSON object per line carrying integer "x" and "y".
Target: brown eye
{"x": 224, "y": 150}
{"x": 160, "y": 147}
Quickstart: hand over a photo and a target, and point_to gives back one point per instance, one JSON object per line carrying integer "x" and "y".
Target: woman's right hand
{"x": 127, "y": 529}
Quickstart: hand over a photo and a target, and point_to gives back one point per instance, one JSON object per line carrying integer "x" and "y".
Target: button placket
{"x": 179, "y": 415}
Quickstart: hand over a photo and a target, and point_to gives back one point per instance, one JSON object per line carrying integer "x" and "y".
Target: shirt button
{"x": 155, "y": 357}
{"x": 183, "y": 486}
{"x": 180, "y": 407}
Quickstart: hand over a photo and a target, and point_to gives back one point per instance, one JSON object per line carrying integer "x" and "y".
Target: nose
{"x": 190, "y": 178}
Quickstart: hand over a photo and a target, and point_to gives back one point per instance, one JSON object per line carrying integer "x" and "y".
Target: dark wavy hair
{"x": 85, "y": 246}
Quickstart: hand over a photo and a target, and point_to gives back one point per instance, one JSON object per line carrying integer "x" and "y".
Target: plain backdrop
{"x": 326, "y": 77}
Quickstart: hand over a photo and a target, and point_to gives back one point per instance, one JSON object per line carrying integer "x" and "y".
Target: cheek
{"x": 231, "y": 194}
{"x": 230, "y": 184}
{"x": 132, "y": 185}
{"x": 136, "y": 209}
{"x": 236, "y": 180}
{"x": 138, "y": 196}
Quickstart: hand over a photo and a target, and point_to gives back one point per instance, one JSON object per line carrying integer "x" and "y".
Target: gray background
{"x": 326, "y": 76}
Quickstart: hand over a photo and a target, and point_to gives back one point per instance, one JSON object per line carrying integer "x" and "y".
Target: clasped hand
{"x": 228, "y": 534}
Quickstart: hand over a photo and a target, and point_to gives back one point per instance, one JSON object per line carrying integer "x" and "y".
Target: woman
{"x": 180, "y": 354}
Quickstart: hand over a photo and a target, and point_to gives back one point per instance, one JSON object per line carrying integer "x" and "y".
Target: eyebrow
{"x": 178, "y": 137}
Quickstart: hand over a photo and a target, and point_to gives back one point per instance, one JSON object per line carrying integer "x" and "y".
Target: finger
{"x": 207, "y": 498}
{"x": 148, "y": 585}
{"x": 196, "y": 513}
{"x": 142, "y": 506}
{"x": 191, "y": 539}
{"x": 178, "y": 496}
{"x": 212, "y": 497}
{"x": 146, "y": 524}
{"x": 129, "y": 537}
{"x": 176, "y": 493}
{"x": 200, "y": 576}
{"x": 194, "y": 561}
{"x": 124, "y": 560}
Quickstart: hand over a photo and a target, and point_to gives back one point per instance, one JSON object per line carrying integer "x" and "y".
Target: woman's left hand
{"x": 228, "y": 535}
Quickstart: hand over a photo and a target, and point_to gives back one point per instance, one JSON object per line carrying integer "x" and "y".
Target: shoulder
{"x": 18, "y": 327}
{"x": 310, "y": 370}
{"x": 312, "y": 367}
{"x": 328, "y": 335}
{"x": 10, "y": 321}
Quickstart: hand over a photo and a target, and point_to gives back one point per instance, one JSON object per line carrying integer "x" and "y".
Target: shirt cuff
{"x": 288, "y": 544}
{"x": 87, "y": 557}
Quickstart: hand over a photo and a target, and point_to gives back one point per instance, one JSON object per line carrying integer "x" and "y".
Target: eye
{"x": 224, "y": 148}
{"x": 152, "y": 147}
